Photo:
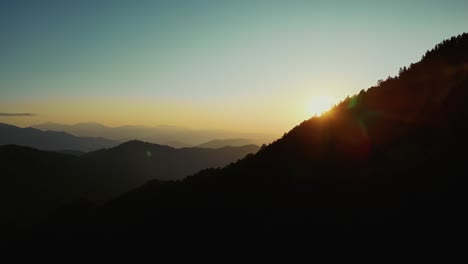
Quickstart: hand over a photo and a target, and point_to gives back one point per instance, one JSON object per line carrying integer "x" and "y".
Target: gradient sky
{"x": 236, "y": 65}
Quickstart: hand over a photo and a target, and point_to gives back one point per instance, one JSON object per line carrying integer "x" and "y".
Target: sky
{"x": 262, "y": 66}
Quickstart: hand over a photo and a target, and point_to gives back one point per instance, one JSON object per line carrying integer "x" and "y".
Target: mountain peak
{"x": 138, "y": 144}
{"x": 133, "y": 142}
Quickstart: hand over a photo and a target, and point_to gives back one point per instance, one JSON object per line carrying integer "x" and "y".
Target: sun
{"x": 320, "y": 104}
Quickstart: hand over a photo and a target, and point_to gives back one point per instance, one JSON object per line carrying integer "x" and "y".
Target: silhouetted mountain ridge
{"x": 383, "y": 162}
{"x": 387, "y": 162}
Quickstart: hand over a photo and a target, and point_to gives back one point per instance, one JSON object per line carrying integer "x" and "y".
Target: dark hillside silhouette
{"x": 33, "y": 182}
{"x": 388, "y": 161}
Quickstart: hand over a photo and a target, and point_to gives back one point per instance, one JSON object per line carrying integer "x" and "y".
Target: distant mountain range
{"x": 51, "y": 140}
{"x": 33, "y": 182}
{"x": 165, "y": 135}
{"x": 64, "y": 142}
{"x": 219, "y": 143}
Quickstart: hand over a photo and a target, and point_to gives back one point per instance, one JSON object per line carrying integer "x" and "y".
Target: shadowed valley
{"x": 35, "y": 182}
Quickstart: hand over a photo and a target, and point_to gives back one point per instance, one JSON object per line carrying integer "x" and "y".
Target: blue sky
{"x": 239, "y": 65}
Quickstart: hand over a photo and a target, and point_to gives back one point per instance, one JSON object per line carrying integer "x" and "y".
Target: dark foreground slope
{"x": 33, "y": 182}
{"x": 390, "y": 160}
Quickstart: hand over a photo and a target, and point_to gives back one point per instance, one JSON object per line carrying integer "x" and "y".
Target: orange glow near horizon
{"x": 253, "y": 116}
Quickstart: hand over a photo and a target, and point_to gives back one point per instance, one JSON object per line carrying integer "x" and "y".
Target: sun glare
{"x": 320, "y": 104}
